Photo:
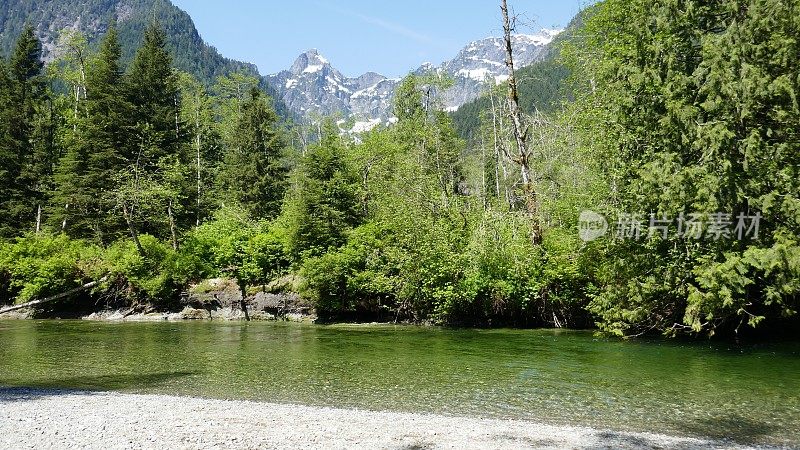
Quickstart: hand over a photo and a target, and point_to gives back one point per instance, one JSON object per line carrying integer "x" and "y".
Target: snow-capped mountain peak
{"x": 309, "y": 62}
{"x": 313, "y": 85}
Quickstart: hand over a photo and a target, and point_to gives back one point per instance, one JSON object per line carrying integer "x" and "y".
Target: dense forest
{"x": 673, "y": 124}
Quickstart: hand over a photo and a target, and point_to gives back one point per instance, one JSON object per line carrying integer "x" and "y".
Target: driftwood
{"x": 55, "y": 297}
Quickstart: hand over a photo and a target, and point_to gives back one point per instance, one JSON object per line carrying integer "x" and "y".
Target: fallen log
{"x": 33, "y": 303}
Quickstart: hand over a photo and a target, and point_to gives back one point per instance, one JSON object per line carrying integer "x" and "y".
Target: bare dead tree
{"x": 198, "y": 144}
{"x": 173, "y": 228}
{"x": 499, "y": 152}
{"x": 523, "y": 156}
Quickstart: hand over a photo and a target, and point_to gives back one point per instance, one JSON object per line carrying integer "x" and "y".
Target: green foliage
{"x": 157, "y": 276}
{"x": 37, "y": 266}
{"x": 234, "y": 245}
{"x": 542, "y": 87}
{"x": 253, "y": 172}
{"x": 671, "y": 107}
{"x": 152, "y": 89}
{"x": 28, "y": 135}
{"x": 353, "y": 280}
{"x": 429, "y": 253}
{"x": 324, "y": 204}
{"x": 42, "y": 265}
{"x": 500, "y": 273}
{"x": 701, "y": 117}
{"x": 96, "y": 150}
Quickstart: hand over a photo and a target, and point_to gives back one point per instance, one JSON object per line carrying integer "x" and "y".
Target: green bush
{"x": 233, "y": 245}
{"x": 158, "y": 276}
{"x": 41, "y": 265}
{"x": 355, "y": 279}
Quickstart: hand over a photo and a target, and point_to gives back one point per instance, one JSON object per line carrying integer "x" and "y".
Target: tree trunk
{"x": 497, "y": 153}
{"x": 53, "y": 298}
{"x": 483, "y": 172}
{"x": 39, "y": 219}
{"x": 134, "y": 235}
{"x": 520, "y": 132}
{"x": 64, "y": 222}
{"x": 172, "y": 228}
{"x": 243, "y": 302}
{"x": 198, "y": 144}
{"x": 177, "y": 118}
{"x": 77, "y": 101}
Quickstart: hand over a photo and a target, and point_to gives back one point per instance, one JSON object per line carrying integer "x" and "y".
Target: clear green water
{"x": 750, "y": 393}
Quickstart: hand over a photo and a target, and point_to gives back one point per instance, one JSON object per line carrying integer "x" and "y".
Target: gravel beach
{"x": 66, "y": 419}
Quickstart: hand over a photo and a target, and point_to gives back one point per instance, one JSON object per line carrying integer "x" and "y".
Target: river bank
{"x": 214, "y": 299}
{"x": 33, "y": 418}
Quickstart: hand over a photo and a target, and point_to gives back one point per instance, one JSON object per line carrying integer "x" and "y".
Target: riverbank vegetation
{"x": 144, "y": 175}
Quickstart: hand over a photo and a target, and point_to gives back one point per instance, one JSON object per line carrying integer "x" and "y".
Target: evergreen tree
{"x": 29, "y": 142}
{"x": 253, "y": 172}
{"x": 86, "y": 174}
{"x": 324, "y": 205}
{"x": 698, "y": 115}
{"x": 9, "y": 162}
{"x": 160, "y": 138}
{"x": 230, "y": 94}
{"x": 153, "y": 91}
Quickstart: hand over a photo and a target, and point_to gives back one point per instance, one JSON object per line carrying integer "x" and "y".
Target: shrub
{"x": 41, "y": 265}
{"x": 233, "y": 245}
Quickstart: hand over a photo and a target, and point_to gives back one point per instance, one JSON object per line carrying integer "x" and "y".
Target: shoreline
{"x": 188, "y": 314}
{"x": 37, "y": 418}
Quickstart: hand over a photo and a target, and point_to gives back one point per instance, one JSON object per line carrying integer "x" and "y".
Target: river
{"x": 747, "y": 392}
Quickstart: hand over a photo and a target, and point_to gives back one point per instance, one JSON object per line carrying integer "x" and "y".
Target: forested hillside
{"x": 543, "y": 87}
{"x": 661, "y": 195}
{"x": 55, "y": 21}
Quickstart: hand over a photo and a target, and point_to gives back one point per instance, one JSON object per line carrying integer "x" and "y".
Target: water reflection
{"x": 750, "y": 393}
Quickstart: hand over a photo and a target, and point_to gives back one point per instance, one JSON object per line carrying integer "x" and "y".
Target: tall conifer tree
{"x": 153, "y": 92}
{"x": 86, "y": 174}
{"x": 26, "y": 97}
{"x": 253, "y": 170}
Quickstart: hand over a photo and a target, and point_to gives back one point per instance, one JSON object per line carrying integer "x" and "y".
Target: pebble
{"x": 31, "y": 419}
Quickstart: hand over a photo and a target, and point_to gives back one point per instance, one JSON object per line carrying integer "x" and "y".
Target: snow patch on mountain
{"x": 313, "y": 86}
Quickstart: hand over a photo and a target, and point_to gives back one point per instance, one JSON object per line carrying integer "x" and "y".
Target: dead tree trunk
{"x": 38, "y": 219}
{"x": 64, "y": 222}
{"x": 33, "y": 303}
{"x": 498, "y": 153}
{"x": 172, "y": 228}
{"x": 198, "y": 145}
{"x": 134, "y": 234}
{"x": 520, "y": 132}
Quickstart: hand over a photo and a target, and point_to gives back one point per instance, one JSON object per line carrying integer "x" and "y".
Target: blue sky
{"x": 389, "y": 37}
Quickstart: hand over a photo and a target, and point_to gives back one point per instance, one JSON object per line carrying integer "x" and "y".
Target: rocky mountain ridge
{"x": 314, "y": 87}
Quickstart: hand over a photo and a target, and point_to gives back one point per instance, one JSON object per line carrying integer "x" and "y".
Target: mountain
{"x": 92, "y": 17}
{"x": 485, "y": 60}
{"x": 312, "y": 86}
{"x": 543, "y": 85}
